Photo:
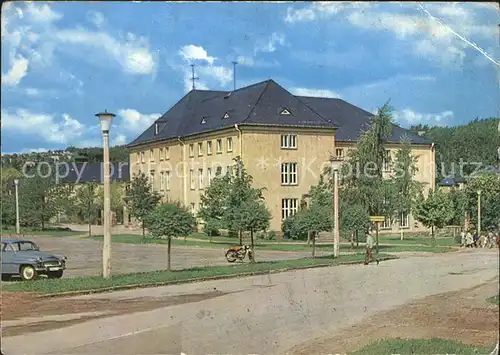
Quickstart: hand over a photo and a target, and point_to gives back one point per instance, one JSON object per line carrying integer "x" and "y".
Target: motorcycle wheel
{"x": 231, "y": 256}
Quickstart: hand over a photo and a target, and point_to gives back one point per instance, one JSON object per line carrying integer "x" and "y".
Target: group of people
{"x": 474, "y": 240}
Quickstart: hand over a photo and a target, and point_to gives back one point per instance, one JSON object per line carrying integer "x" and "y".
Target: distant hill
{"x": 476, "y": 142}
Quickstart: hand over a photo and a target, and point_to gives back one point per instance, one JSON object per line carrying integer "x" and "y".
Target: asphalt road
{"x": 85, "y": 255}
{"x": 263, "y": 314}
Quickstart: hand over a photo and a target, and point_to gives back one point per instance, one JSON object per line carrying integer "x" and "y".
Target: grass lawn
{"x": 137, "y": 239}
{"x": 49, "y": 231}
{"x": 423, "y": 240}
{"x": 494, "y": 299}
{"x": 51, "y": 286}
{"x": 420, "y": 346}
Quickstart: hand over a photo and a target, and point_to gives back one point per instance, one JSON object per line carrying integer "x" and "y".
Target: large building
{"x": 284, "y": 140}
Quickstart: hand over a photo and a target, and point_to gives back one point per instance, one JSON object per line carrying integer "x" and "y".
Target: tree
{"x": 40, "y": 197}
{"x": 213, "y": 204}
{"x": 142, "y": 199}
{"x": 86, "y": 203}
{"x": 170, "y": 220}
{"x": 460, "y": 205}
{"x": 434, "y": 211}
{"x": 489, "y": 185}
{"x": 353, "y": 219}
{"x": 116, "y": 200}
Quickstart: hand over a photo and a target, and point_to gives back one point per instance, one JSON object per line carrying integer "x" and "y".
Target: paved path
{"x": 290, "y": 309}
{"x": 85, "y": 255}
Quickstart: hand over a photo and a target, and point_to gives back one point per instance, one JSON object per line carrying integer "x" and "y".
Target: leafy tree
{"x": 434, "y": 211}
{"x": 489, "y": 185}
{"x": 354, "y": 219}
{"x": 142, "y": 199}
{"x": 8, "y": 210}
{"x": 117, "y": 197}
{"x": 461, "y": 206}
{"x": 170, "y": 220}
{"x": 86, "y": 203}
{"x": 40, "y": 197}
{"x": 214, "y": 203}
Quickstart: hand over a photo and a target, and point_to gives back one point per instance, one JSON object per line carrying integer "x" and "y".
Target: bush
{"x": 272, "y": 235}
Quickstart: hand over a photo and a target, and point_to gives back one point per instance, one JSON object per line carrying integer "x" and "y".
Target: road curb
{"x": 199, "y": 279}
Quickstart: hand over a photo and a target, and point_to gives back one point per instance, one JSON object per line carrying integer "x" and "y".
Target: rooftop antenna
{"x": 234, "y": 74}
{"x": 193, "y": 78}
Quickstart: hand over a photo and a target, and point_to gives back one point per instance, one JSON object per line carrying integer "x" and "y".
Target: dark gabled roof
{"x": 258, "y": 104}
{"x": 353, "y": 120}
{"x": 202, "y": 111}
{"x": 94, "y": 172}
{"x": 448, "y": 182}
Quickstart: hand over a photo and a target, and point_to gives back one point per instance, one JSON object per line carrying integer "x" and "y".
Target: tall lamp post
{"x": 479, "y": 213}
{"x": 106, "y": 118}
{"x": 16, "y": 184}
{"x": 335, "y": 165}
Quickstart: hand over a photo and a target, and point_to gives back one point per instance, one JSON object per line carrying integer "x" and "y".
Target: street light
{"x": 479, "y": 213}
{"x": 16, "y": 184}
{"x": 335, "y": 165}
{"x": 105, "y": 118}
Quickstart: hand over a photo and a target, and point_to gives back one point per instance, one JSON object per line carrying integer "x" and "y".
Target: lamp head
{"x": 335, "y": 164}
{"x": 105, "y": 118}
{"x": 16, "y": 182}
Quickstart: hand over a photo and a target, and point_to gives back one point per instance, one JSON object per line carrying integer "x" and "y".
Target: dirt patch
{"x": 19, "y": 305}
{"x": 463, "y": 316}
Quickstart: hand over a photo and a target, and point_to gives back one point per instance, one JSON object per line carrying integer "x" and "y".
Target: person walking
{"x": 468, "y": 240}
{"x": 475, "y": 239}
{"x": 369, "y": 247}
{"x": 462, "y": 239}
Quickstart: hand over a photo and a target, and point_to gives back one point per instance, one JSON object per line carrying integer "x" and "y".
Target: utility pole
{"x": 479, "y": 213}
{"x": 193, "y": 78}
{"x": 234, "y": 74}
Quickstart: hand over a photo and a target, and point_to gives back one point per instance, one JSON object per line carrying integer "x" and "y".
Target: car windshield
{"x": 25, "y": 246}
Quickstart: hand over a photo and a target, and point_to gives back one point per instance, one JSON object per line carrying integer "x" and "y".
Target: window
{"x": 191, "y": 150}
{"x": 162, "y": 180}
{"x": 288, "y": 207}
{"x": 167, "y": 180}
{"x": 191, "y": 179}
{"x": 289, "y": 174}
{"x": 209, "y": 148}
{"x": 404, "y": 221}
{"x": 386, "y": 224}
{"x": 289, "y": 141}
{"x": 161, "y": 154}
{"x": 209, "y": 175}
{"x": 226, "y": 116}
{"x": 200, "y": 178}
{"x": 285, "y": 112}
{"x": 151, "y": 155}
{"x": 200, "y": 149}
{"x": 339, "y": 153}
{"x": 193, "y": 209}
{"x": 157, "y": 128}
{"x": 152, "y": 178}
{"x": 230, "y": 144}
{"x": 138, "y": 157}
{"x": 219, "y": 146}
{"x": 386, "y": 163}
{"x": 204, "y": 120}
{"x": 229, "y": 170}
{"x": 142, "y": 157}
{"x": 218, "y": 171}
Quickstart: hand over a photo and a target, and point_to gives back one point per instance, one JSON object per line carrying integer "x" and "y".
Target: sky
{"x": 437, "y": 63}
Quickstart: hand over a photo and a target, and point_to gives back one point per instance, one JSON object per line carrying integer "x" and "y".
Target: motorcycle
{"x": 238, "y": 253}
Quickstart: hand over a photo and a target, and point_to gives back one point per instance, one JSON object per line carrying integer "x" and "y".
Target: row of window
{"x": 404, "y": 222}
{"x": 386, "y": 164}
{"x": 165, "y": 179}
{"x": 218, "y": 147}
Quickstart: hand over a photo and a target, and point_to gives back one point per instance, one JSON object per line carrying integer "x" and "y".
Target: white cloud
{"x": 17, "y": 71}
{"x": 132, "y": 54}
{"x": 41, "y": 12}
{"x": 410, "y": 117}
{"x": 314, "y": 92}
{"x": 120, "y": 139}
{"x": 246, "y": 61}
{"x": 322, "y": 9}
{"x": 42, "y": 125}
{"x": 97, "y": 18}
{"x": 134, "y": 122}
{"x": 270, "y": 45}
{"x": 192, "y": 52}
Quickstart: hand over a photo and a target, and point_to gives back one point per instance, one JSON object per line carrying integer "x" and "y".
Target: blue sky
{"x": 438, "y": 63}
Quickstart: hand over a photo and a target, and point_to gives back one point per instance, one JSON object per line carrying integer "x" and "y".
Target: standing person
{"x": 468, "y": 240}
{"x": 369, "y": 247}
{"x": 475, "y": 239}
{"x": 462, "y": 238}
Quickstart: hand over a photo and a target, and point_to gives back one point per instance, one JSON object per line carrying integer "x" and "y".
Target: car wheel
{"x": 28, "y": 273}
{"x": 55, "y": 274}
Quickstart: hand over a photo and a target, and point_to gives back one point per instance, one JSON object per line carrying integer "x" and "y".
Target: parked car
{"x": 24, "y": 259}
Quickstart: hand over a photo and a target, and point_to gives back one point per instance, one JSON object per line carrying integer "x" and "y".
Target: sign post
{"x": 376, "y": 220}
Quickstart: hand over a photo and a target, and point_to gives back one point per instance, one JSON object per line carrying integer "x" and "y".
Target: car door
{"x": 9, "y": 264}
